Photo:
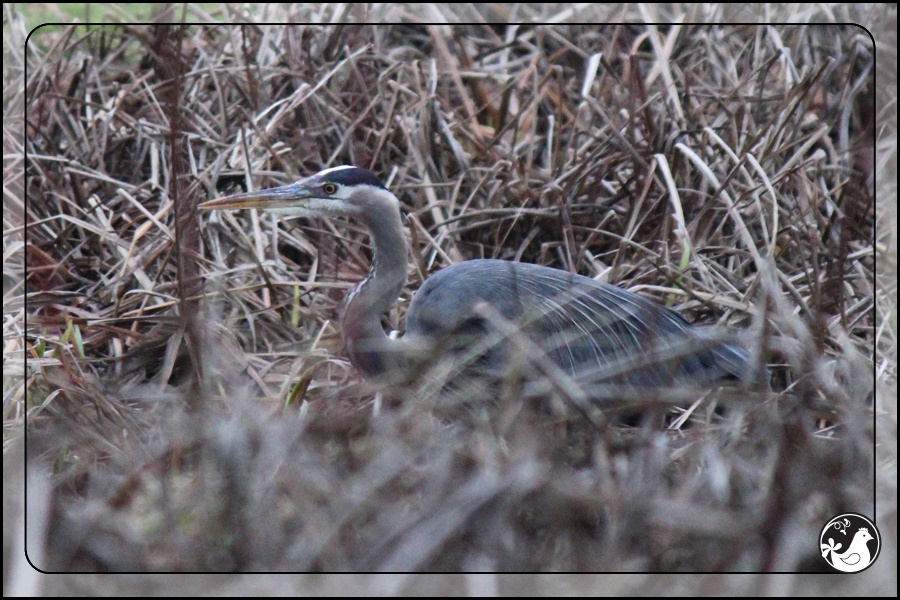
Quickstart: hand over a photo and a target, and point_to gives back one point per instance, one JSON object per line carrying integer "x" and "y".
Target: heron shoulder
{"x": 510, "y": 288}
{"x": 515, "y": 289}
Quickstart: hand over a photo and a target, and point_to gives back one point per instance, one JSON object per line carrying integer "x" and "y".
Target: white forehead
{"x": 333, "y": 169}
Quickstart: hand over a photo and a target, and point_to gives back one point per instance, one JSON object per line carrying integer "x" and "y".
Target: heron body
{"x": 591, "y": 330}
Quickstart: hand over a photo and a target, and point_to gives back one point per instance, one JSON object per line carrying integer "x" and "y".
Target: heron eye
{"x": 329, "y": 188}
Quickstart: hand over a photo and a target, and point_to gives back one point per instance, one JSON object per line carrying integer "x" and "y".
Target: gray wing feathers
{"x": 592, "y": 330}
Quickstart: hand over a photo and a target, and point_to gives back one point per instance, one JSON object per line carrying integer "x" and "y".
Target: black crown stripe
{"x": 353, "y": 176}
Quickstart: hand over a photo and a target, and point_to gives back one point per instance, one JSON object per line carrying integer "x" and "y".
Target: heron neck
{"x": 370, "y": 349}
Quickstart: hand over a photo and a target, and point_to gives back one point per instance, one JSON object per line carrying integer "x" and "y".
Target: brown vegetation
{"x": 188, "y": 404}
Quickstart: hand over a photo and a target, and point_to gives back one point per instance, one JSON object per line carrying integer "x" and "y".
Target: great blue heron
{"x": 590, "y": 330}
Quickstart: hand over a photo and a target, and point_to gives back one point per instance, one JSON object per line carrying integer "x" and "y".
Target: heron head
{"x": 338, "y": 191}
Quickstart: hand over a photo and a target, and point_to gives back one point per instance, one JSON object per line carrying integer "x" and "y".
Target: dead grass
{"x": 188, "y": 405}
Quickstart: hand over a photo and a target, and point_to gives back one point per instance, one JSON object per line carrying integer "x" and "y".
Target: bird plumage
{"x": 593, "y": 331}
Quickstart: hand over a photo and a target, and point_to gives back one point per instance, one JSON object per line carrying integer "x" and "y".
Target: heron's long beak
{"x": 290, "y": 196}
